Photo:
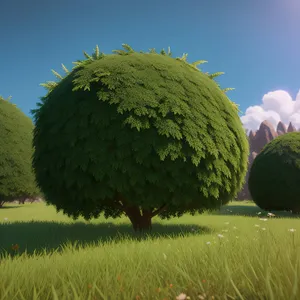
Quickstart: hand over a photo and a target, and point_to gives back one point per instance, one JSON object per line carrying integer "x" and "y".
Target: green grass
{"x": 60, "y": 258}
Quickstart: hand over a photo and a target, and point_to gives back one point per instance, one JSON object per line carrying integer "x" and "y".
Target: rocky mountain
{"x": 257, "y": 140}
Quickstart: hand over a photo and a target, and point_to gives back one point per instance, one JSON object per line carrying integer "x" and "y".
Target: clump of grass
{"x": 240, "y": 258}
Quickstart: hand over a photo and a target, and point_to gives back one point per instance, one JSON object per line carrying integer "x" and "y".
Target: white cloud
{"x": 276, "y": 106}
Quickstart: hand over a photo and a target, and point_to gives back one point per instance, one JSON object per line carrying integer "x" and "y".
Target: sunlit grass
{"x": 210, "y": 256}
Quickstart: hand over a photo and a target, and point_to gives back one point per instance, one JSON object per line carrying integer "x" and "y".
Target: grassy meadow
{"x": 235, "y": 253}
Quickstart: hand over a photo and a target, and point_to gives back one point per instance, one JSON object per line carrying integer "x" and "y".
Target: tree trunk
{"x": 140, "y": 222}
{"x": 22, "y": 200}
{"x": 141, "y": 219}
{"x": 296, "y": 211}
{"x": 144, "y": 224}
{"x": 32, "y": 200}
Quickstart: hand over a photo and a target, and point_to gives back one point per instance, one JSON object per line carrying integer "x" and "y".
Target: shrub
{"x": 138, "y": 133}
{"x": 17, "y": 179}
{"x": 274, "y": 179}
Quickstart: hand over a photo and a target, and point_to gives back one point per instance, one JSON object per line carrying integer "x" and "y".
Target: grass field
{"x": 234, "y": 253}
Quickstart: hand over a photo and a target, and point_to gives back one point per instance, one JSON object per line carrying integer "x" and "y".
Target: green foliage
{"x": 49, "y": 85}
{"x": 138, "y": 129}
{"x": 214, "y": 75}
{"x": 16, "y": 175}
{"x": 274, "y": 179}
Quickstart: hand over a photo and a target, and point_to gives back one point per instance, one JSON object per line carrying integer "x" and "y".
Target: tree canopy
{"x": 138, "y": 133}
{"x": 17, "y": 178}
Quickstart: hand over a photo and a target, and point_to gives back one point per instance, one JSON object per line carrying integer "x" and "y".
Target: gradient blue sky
{"x": 256, "y": 43}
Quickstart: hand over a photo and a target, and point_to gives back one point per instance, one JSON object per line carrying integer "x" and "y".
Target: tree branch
{"x": 123, "y": 205}
{"x": 120, "y": 202}
{"x": 159, "y": 210}
{"x": 147, "y": 213}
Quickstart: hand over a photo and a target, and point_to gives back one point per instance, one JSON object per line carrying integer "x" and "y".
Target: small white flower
{"x": 263, "y": 228}
{"x": 5, "y": 219}
{"x": 256, "y": 225}
{"x": 292, "y": 230}
{"x": 271, "y": 215}
{"x": 226, "y": 223}
{"x": 220, "y": 235}
{"x": 182, "y": 297}
{"x": 208, "y": 243}
{"x": 263, "y": 219}
{"x": 259, "y": 213}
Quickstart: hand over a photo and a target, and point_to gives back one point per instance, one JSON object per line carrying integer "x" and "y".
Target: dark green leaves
{"x": 144, "y": 125}
{"x": 16, "y": 174}
{"x": 275, "y": 174}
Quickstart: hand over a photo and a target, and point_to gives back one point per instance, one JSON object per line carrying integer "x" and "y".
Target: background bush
{"x": 17, "y": 179}
{"x": 274, "y": 179}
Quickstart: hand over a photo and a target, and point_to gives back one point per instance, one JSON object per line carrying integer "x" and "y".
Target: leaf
{"x": 65, "y": 69}
{"x": 183, "y": 57}
{"x": 49, "y": 85}
{"x": 56, "y": 74}
{"x": 198, "y": 62}
{"x": 80, "y": 63}
{"x": 81, "y": 86}
{"x": 102, "y": 74}
{"x": 87, "y": 56}
{"x": 77, "y": 63}
{"x": 212, "y": 76}
{"x": 228, "y": 89}
{"x": 236, "y": 106}
{"x": 54, "y": 294}
{"x": 128, "y": 48}
{"x": 8, "y": 99}
{"x": 163, "y": 52}
{"x": 120, "y": 52}
{"x": 97, "y": 52}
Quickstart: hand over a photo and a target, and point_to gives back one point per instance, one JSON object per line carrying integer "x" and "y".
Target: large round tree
{"x": 17, "y": 180}
{"x": 274, "y": 179}
{"x": 142, "y": 134}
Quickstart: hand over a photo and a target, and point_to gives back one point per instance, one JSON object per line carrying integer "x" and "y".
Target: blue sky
{"x": 256, "y": 43}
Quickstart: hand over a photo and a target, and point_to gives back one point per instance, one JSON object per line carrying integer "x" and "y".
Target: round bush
{"x": 138, "y": 133}
{"x": 17, "y": 179}
{"x": 274, "y": 179}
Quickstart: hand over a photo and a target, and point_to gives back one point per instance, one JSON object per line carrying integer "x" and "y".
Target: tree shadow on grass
{"x": 10, "y": 206}
{"x": 50, "y": 236}
{"x": 251, "y": 211}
